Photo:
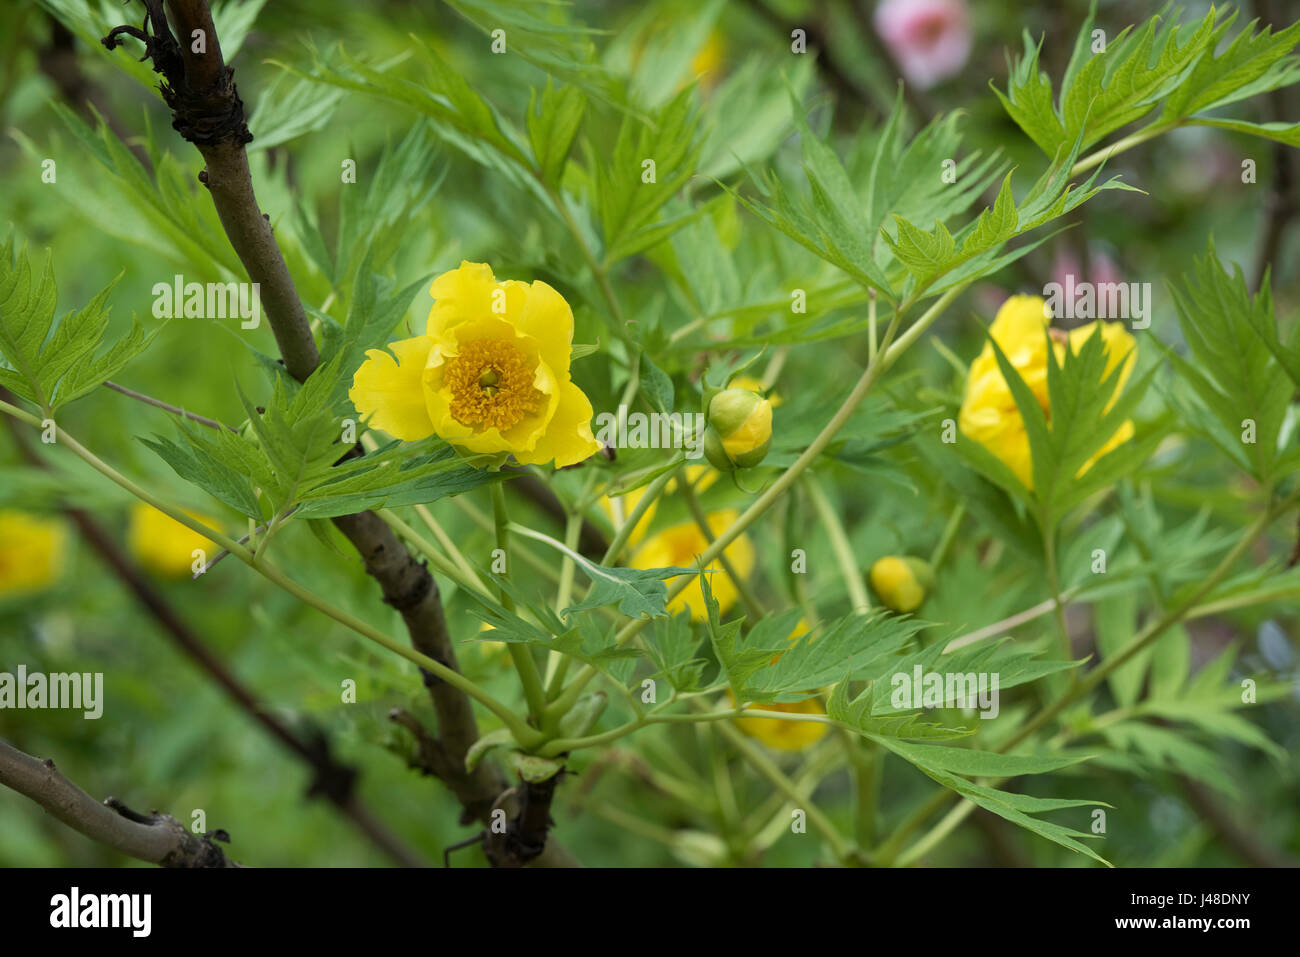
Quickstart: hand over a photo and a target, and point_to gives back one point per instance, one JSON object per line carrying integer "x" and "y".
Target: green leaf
{"x": 637, "y": 592}
{"x": 1287, "y": 133}
{"x": 934, "y": 761}
{"x": 553, "y": 122}
{"x": 767, "y": 665}
{"x": 476, "y": 752}
{"x": 52, "y": 364}
{"x": 1236, "y": 376}
{"x": 673, "y": 647}
{"x": 286, "y": 110}
{"x": 1028, "y": 99}
{"x": 628, "y": 197}
{"x": 1251, "y": 64}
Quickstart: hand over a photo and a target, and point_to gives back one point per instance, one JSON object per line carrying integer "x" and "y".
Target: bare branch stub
{"x": 155, "y": 837}
{"x": 199, "y": 88}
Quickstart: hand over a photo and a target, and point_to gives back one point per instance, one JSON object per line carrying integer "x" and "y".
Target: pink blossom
{"x": 929, "y": 39}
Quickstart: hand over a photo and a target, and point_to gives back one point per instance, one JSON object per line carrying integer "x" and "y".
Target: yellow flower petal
{"x": 546, "y": 317}
{"x": 680, "y": 545}
{"x": 568, "y": 438}
{"x": 390, "y": 391}
{"x": 463, "y": 294}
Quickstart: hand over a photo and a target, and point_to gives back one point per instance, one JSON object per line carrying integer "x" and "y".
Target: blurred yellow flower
{"x": 490, "y": 374}
{"x": 988, "y": 412}
{"x": 709, "y": 59}
{"x": 620, "y": 507}
{"x": 678, "y": 546}
{"x": 31, "y": 552}
{"x": 163, "y": 545}
{"x": 785, "y": 735}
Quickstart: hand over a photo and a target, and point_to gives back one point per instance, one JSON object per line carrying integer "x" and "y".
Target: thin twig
{"x": 168, "y": 407}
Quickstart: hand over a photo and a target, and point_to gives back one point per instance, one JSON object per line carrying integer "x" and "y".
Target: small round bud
{"x": 901, "y": 582}
{"x": 739, "y": 430}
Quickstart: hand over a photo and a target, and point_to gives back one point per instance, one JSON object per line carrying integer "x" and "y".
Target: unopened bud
{"x": 901, "y": 582}
{"x": 739, "y": 429}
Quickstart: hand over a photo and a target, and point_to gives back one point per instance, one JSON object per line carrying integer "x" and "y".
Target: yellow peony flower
{"x": 490, "y": 374}
{"x": 678, "y": 546}
{"x": 163, "y": 545}
{"x": 31, "y": 552}
{"x": 988, "y": 411}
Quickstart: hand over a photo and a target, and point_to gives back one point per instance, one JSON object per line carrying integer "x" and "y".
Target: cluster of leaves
{"x": 51, "y": 363}
{"x": 1104, "y": 90}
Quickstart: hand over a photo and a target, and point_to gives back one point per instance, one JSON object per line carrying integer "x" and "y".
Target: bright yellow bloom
{"x": 165, "y": 546}
{"x": 678, "y": 546}
{"x": 490, "y": 374}
{"x": 31, "y": 552}
{"x": 988, "y": 412}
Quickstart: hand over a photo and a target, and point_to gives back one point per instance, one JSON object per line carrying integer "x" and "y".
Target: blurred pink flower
{"x": 1102, "y": 269}
{"x": 929, "y": 39}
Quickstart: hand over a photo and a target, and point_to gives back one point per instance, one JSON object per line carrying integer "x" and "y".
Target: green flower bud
{"x": 739, "y": 429}
{"x": 901, "y": 582}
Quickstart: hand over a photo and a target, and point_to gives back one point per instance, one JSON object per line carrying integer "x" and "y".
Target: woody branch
{"x": 199, "y": 88}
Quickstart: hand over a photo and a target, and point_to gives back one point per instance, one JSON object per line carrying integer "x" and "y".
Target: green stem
{"x": 648, "y": 498}
{"x": 557, "y": 665}
{"x": 1119, "y": 146}
{"x": 839, "y": 539}
{"x": 1054, "y": 583}
{"x": 521, "y": 654}
{"x": 449, "y": 546}
{"x": 949, "y": 535}
{"x": 841, "y": 847}
{"x": 779, "y": 487}
{"x": 753, "y": 609}
{"x": 525, "y": 735}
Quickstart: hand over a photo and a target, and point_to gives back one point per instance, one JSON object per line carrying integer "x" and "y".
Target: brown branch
{"x": 208, "y": 112}
{"x": 156, "y": 838}
{"x": 168, "y": 407}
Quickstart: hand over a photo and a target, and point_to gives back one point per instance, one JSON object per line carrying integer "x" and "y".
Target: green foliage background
{"x": 770, "y": 179}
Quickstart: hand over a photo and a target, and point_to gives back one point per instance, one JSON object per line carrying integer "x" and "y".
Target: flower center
{"x": 491, "y": 385}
